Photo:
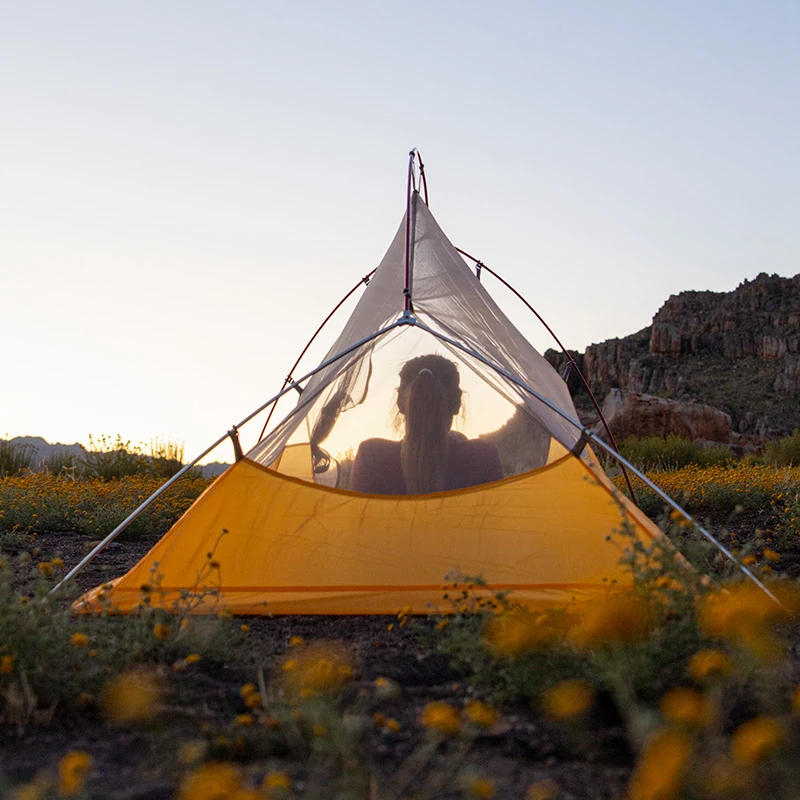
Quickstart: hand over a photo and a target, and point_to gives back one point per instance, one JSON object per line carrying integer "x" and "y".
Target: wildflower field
{"x": 686, "y": 686}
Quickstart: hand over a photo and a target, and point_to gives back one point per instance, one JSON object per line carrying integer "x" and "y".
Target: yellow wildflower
{"x": 253, "y": 700}
{"x": 516, "y": 631}
{"x": 244, "y": 719}
{"x": 80, "y": 639}
{"x": 743, "y": 613}
{"x": 567, "y": 699}
{"x": 748, "y": 561}
{"x": 542, "y": 790}
{"x": 46, "y": 568}
{"x": 244, "y": 628}
{"x": 481, "y": 788}
{"x": 73, "y": 770}
{"x": 661, "y": 767}
{"x": 132, "y": 697}
{"x": 612, "y": 620}
{"x": 276, "y": 784}
{"x": 161, "y": 631}
{"x": 247, "y": 689}
{"x": 6, "y": 665}
{"x": 442, "y": 718}
{"x": 214, "y": 781}
{"x": 771, "y": 555}
{"x": 686, "y": 707}
{"x": 480, "y": 714}
{"x": 392, "y": 725}
{"x": 317, "y": 669}
{"x": 193, "y": 658}
{"x": 295, "y": 641}
{"x": 710, "y": 663}
{"x": 756, "y": 739}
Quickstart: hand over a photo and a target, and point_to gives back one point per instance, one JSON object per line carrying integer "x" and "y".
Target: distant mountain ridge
{"x": 42, "y": 450}
{"x": 737, "y": 351}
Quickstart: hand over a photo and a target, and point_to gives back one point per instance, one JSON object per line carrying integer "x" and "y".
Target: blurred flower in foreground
{"x": 132, "y": 697}
{"x": 568, "y": 699}
{"x": 442, "y": 718}
{"x": 480, "y": 788}
{"x": 755, "y": 740}
{"x": 542, "y": 790}
{"x": 683, "y": 706}
{"x": 742, "y": 614}
{"x": 516, "y": 631}
{"x": 612, "y": 620}
{"x": 661, "y": 767}
{"x": 708, "y": 664}
{"x": 317, "y": 669}
{"x": 214, "y": 781}
{"x": 276, "y": 785}
{"x": 73, "y": 770}
{"x": 480, "y": 714}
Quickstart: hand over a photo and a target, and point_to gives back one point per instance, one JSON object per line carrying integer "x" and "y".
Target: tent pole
{"x": 481, "y": 266}
{"x": 589, "y": 436}
{"x": 410, "y": 189}
{"x": 142, "y": 506}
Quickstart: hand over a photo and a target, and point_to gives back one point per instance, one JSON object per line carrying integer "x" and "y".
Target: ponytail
{"x": 429, "y": 397}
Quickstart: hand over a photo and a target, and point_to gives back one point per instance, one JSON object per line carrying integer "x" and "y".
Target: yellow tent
{"x": 287, "y": 529}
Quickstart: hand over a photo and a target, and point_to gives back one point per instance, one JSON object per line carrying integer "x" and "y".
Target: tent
{"x": 282, "y": 531}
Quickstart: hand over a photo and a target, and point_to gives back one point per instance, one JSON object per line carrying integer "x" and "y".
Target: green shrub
{"x": 783, "y": 452}
{"x": 654, "y": 453}
{"x": 14, "y": 458}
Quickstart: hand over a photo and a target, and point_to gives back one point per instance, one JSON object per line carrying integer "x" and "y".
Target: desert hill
{"x": 737, "y": 351}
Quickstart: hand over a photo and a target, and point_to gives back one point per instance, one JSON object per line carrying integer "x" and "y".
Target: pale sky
{"x": 187, "y": 188}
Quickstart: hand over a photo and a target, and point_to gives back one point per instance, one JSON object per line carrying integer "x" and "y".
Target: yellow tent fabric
{"x": 261, "y": 542}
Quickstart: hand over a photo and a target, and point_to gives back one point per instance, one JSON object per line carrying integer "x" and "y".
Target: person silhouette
{"x": 431, "y": 456}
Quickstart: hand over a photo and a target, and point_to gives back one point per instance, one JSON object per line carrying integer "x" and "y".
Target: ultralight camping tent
{"x": 281, "y": 532}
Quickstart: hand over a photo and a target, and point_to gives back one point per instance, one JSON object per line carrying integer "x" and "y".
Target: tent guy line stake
{"x": 585, "y": 432}
{"x": 405, "y": 320}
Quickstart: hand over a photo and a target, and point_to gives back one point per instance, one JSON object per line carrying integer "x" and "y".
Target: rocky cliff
{"x": 737, "y": 351}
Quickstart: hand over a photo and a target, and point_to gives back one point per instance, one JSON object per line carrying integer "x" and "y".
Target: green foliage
{"x": 653, "y": 453}
{"x": 53, "y": 657}
{"x": 112, "y": 459}
{"x": 783, "y": 452}
{"x": 14, "y": 457}
{"x": 108, "y": 459}
{"x": 42, "y": 502}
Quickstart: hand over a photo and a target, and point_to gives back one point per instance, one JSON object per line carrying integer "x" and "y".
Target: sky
{"x": 187, "y": 188}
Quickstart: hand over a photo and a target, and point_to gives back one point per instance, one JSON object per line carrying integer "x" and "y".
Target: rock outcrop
{"x": 634, "y": 414}
{"x": 737, "y": 351}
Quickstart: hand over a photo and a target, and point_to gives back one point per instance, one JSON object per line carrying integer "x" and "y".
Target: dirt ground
{"x": 132, "y": 764}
